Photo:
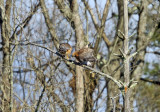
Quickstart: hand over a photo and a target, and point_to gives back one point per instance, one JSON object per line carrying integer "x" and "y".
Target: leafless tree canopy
{"x": 125, "y": 37}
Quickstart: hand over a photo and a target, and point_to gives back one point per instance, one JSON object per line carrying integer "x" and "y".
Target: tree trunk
{"x": 142, "y": 41}
{"x": 89, "y": 87}
{"x": 6, "y": 103}
{"x": 112, "y": 89}
{"x": 79, "y": 70}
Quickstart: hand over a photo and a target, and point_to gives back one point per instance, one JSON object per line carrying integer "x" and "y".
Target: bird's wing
{"x": 86, "y": 55}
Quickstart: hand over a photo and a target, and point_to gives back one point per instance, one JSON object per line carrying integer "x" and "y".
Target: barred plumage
{"x": 85, "y": 56}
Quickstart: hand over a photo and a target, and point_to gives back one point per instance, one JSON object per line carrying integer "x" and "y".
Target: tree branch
{"x": 151, "y": 81}
{"x": 41, "y": 77}
{"x": 127, "y": 59}
{"x": 95, "y": 21}
{"x": 25, "y": 22}
{"x": 49, "y": 24}
{"x": 65, "y": 10}
{"x": 154, "y": 52}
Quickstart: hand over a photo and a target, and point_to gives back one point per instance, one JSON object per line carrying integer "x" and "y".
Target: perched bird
{"x": 65, "y": 50}
{"x": 85, "y": 56}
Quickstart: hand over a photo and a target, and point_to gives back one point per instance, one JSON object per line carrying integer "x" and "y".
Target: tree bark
{"x": 141, "y": 41}
{"x": 126, "y": 60}
{"x": 113, "y": 63}
{"x": 79, "y": 70}
{"x": 6, "y": 69}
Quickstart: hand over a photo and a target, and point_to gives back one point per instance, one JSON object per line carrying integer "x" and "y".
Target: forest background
{"x": 33, "y": 78}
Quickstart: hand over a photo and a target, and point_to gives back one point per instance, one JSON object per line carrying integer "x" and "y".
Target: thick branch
{"x": 49, "y": 24}
{"x": 65, "y": 10}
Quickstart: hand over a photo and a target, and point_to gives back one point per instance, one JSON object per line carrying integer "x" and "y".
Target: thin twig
{"x": 40, "y": 99}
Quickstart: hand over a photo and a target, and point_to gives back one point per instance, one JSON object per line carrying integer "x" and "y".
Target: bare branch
{"x": 151, "y": 81}
{"x": 126, "y": 60}
{"x": 65, "y": 10}
{"x": 96, "y": 5}
{"x": 25, "y": 22}
{"x": 49, "y": 24}
{"x": 40, "y": 98}
{"x": 105, "y": 14}
{"x": 42, "y": 80}
{"x": 154, "y": 52}
{"x": 96, "y": 23}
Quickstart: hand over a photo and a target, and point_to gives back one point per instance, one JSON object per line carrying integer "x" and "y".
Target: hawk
{"x": 85, "y": 56}
{"x": 65, "y": 50}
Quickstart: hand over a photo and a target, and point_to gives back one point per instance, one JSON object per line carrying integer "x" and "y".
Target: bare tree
{"x": 123, "y": 34}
